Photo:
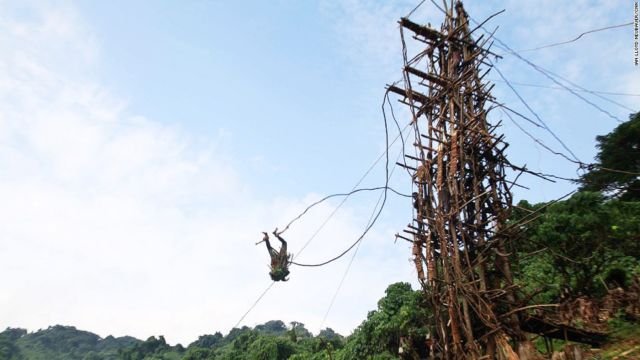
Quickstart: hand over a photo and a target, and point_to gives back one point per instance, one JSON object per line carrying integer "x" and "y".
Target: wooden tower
{"x": 462, "y": 198}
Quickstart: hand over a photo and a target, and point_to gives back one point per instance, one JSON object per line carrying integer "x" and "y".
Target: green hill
{"x": 60, "y": 342}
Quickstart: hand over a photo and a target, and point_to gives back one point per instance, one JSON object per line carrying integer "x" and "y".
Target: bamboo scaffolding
{"x": 463, "y": 199}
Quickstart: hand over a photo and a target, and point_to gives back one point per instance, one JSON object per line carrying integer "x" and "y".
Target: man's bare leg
{"x": 283, "y": 247}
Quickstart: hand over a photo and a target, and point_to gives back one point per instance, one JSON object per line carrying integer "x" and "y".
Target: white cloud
{"x": 117, "y": 224}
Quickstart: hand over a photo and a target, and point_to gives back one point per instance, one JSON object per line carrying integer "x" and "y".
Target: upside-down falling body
{"x": 280, "y": 260}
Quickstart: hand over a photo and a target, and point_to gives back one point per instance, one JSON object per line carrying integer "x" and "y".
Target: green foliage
{"x": 272, "y": 327}
{"x": 621, "y": 328}
{"x": 197, "y": 353}
{"x": 236, "y": 333}
{"x": 618, "y": 162}
{"x": 582, "y": 241}
{"x": 208, "y": 341}
{"x": 625, "y": 226}
{"x": 60, "y": 342}
{"x": 238, "y": 344}
{"x": 152, "y": 349}
{"x": 400, "y": 314}
{"x": 8, "y": 348}
{"x": 13, "y": 334}
{"x": 538, "y": 275}
{"x": 592, "y": 240}
{"x": 109, "y": 346}
{"x": 271, "y": 348}
{"x": 329, "y": 334}
{"x": 577, "y": 233}
{"x": 64, "y": 340}
{"x": 298, "y": 331}
{"x": 310, "y": 356}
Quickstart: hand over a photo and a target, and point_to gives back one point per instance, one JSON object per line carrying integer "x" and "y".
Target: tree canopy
{"x": 616, "y": 172}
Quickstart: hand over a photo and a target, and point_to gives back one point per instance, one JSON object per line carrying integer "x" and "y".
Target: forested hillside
{"x": 60, "y": 342}
{"x": 397, "y": 314}
{"x": 392, "y": 331}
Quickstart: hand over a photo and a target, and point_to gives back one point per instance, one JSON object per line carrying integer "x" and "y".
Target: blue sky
{"x": 146, "y": 144}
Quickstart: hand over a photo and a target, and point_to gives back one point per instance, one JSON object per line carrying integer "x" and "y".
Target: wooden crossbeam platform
{"x": 420, "y": 30}
{"x": 429, "y": 77}
{"x": 540, "y": 326}
{"x": 414, "y": 95}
